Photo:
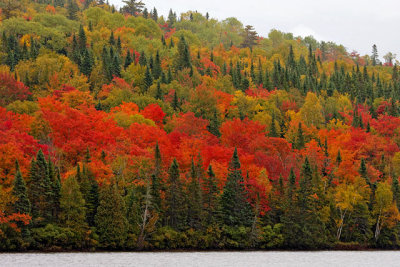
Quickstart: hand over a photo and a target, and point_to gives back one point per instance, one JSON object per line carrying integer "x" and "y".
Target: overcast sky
{"x": 357, "y": 24}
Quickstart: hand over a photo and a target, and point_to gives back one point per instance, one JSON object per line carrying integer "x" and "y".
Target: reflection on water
{"x": 247, "y": 259}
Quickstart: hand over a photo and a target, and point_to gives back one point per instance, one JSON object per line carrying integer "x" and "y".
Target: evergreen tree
{"x": 40, "y": 190}
{"x": 300, "y": 142}
{"x": 148, "y": 80}
{"x": 72, "y": 10}
{"x": 82, "y": 39}
{"x": 159, "y": 93}
{"x": 157, "y": 67}
{"x": 132, "y": 7}
{"x": 272, "y": 131}
{"x": 235, "y": 208}
{"x": 194, "y": 200}
{"x": 250, "y": 37}
{"x": 175, "y": 102}
{"x": 182, "y": 60}
{"x": 210, "y": 196}
{"x": 338, "y": 158}
{"x": 111, "y": 222}
{"x": 156, "y": 181}
{"x": 175, "y": 200}
{"x": 214, "y": 125}
{"x": 22, "y": 204}
{"x": 128, "y": 60}
{"x": 154, "y": 15}
{"x": 142, "y": 59}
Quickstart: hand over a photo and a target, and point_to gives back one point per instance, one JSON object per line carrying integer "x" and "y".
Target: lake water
{"x": 218, "y": 259}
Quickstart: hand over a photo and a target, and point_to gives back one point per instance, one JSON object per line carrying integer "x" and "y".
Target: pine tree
{"x": 82, "y": 39}
{"x": 148, "y": 80}
{"x": 175, "y": 102}
{"x": 156, "y": 71}
{"x": 300, "y": 138}
{"x": 40, "y": 190}
{"x": 111, "y": 222}
{"x": 156, "y": 181}
{"x": 338, "y": 158}
{"x": 72, "y": 10}
{"x": 363, "y": 171}
{"x": 128, "y": 60}
{"x": 132, "y": 7}
{"x": 171, "y": 19}
{"x": 142, "y": 59}
{"x": 145, "y": 13}
{"x": 154, "y": 15}
{"x": 194, "y": 200}
{"x": 214, "y": 125}
{"x": 210, "y": 196}
{"x": 22, "y": 204}
{"x": 250, "y": 37}
{"x": 182, "y": 60}
{"x": 272, "y": 130}
{"x": 159, "y": 93}
{"x": 175, "y": 200}
{"x": 235, "y": 208}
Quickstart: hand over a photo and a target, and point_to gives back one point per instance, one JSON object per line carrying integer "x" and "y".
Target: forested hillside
{"x": 121, "y": 129}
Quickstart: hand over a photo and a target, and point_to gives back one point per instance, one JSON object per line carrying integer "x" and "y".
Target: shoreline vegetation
{"x": 125, "y": 130}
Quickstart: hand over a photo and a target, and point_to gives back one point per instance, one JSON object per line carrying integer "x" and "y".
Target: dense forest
{"x": 121, "y": 129}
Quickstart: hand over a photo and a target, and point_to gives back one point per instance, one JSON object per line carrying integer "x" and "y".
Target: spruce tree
{"x": 111, "y": 222}
{"x": 92, "y": 203}
{"x": 22, "y": 204}
{"x": 148, "y": 80}
{"x": 159, "y": 93}
{"x": 210, "y": 196}
{"x": 175, "y": 102}
{"x": 175, "y": 200}
{"x": 235, "y": 208}
{"x": 142, "y": 59}
{"x": 157, "y": 67}
{"x": 214, "y": 125}
{"x": 72, "y": 10}
{"x": 128, "y": 60}
{"x": 300, "y": 142}
{"x": 272, "y": 130}
{"x": 194, "y": 200}
{"x": 363, "y": 171}
{"x": 156, "y": 181}
{"x": 182, "y": 60}
{"x": 40, "y": 190}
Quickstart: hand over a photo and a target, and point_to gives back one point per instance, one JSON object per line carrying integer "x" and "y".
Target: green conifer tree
{"x": 235, "y": 208}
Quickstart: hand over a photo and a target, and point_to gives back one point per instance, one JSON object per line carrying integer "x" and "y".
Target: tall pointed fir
{"x": 40, "y": 190}
{"x": 111, "y": 222}
{"x": 22, "y": 204}
{"x": 210, "y": 196}
{"x": 194, "y": 200}
{"x": 182, "y": 59}
{"x": 175, "y": 213}
{"x": 156, "y": 180}
{"x": 235, "y": 209}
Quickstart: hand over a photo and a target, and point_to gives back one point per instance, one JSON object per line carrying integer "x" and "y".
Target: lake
{"x": 247, "y": 259}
